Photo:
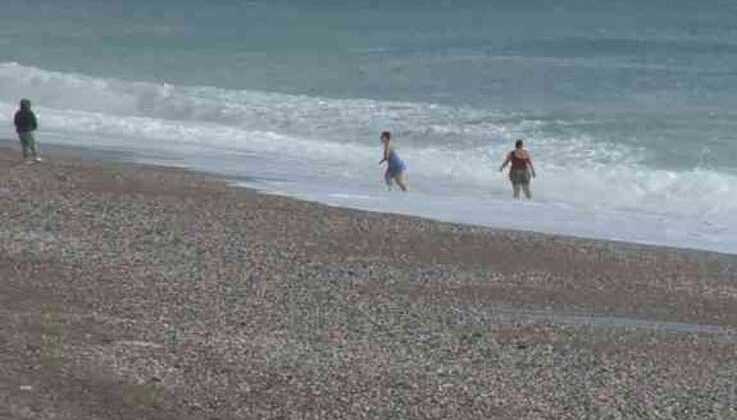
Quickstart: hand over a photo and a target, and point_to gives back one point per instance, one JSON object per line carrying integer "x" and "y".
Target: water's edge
{"x": 253, "y": 185}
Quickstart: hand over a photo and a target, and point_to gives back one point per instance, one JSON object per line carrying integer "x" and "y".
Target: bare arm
{"x": 386, "y": 155}
{"x": 506, "y": 162}
{"x": 529, "y": 163}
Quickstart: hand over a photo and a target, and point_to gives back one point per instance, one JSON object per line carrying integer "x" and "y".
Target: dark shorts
{"x": 395, "y": 170}
{"x": 393, "y": 173}
{"x": 519, "y": 176}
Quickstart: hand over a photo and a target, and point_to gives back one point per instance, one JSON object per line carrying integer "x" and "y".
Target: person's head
{"x": 25, "y": 103}
{"x": 519, "y": 144}
{"x": 386, "y": 136}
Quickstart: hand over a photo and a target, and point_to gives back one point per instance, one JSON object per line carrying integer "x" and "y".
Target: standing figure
{"x": 521, "y": 169}
{"x": 395, "y": 168}
{"x": 25, "y": 125}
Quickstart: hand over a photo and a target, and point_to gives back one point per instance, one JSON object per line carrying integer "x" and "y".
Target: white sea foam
{"x": 327, "y": 149}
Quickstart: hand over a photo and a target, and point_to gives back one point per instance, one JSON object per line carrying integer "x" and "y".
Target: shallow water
{"x": 598, "y": 320}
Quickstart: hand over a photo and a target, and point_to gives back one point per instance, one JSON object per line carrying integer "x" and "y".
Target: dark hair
{"x": 386, "y": 134}
{"x": 518, "y": 143}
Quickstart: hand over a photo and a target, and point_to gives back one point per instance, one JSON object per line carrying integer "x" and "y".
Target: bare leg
{"x": 516, "y": 188}
{"x": 526, "y": 189}
{"x": 401, "y": 180}
{"x": 388, "y": 180}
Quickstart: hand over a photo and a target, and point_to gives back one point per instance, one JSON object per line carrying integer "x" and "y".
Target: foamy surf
{"x": 327, "y": 150}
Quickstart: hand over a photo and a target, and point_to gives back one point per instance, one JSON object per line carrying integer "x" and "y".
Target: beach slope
{"x": 134, "y": 292}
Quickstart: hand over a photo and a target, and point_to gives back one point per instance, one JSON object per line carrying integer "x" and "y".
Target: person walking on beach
{"x": 395, "y": 167}
{"x": 25, "y": 125}
{"x": 519, "y": 173}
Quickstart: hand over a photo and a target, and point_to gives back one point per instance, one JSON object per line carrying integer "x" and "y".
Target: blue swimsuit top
{"x": 395, "y": 163}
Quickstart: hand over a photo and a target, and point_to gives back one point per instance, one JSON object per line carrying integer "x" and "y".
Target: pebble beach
{"x": 143, "y": 292}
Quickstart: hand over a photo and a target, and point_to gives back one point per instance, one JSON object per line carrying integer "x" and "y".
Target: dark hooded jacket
{"x": 25, "y": 120}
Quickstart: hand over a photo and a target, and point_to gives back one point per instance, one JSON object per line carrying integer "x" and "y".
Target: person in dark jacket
{"x": 25, "y": 125}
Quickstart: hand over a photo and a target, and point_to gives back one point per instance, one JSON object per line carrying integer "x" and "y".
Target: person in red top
{"x": 521, "y": 169}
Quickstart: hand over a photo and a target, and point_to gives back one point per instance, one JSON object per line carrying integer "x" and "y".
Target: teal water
{"x": 628, "y": 107}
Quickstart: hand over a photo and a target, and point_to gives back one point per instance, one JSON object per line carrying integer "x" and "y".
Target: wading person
{"x": 395, "y": 166}
{"x": 521, "y": 169}
{"x": 25, "y": 125}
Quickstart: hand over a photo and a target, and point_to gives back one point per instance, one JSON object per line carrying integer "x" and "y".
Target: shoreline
{"x": 137, "y": 291}
{"x": 596, "y": 249}
{"x": 91, "y": 154}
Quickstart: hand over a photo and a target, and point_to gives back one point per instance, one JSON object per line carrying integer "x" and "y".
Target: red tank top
{"x": 518, "y": 162}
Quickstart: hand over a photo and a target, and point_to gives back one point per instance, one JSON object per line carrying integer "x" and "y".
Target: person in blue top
{"x": 395, "y": 166}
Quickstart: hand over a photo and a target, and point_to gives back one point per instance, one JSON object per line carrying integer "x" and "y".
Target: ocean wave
{"x": 450, "y": 150}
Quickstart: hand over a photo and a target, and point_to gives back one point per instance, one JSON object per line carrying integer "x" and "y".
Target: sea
{"x": 628, "y": 107}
